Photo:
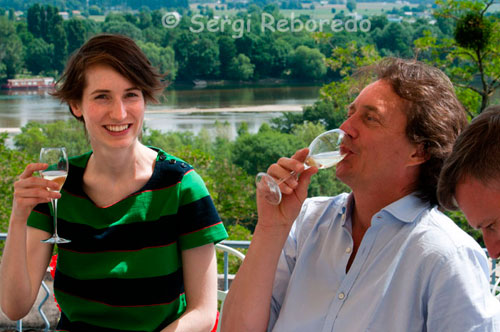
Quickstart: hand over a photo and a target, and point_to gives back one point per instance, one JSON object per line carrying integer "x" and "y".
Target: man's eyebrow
{"x": 370, "y": 108}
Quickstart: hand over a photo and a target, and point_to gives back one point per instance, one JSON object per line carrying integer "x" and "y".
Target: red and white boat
{"x": 29, "y": 83}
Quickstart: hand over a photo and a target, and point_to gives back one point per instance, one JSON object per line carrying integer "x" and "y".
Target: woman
{"x": 141, "y": 222}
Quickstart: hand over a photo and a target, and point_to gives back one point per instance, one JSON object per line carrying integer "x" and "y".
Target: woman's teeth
{"x": 117, "y": 128}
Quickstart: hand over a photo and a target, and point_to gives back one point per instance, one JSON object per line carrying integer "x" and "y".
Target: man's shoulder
{"x": 440, "y": 235}
{"x": 325, "y": 201}
{"x": 314, "y": 208}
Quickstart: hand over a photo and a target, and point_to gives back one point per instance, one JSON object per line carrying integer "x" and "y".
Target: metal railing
{"x": 234, "y": 245}
{"x": 230, "y": 243}
{"x": 19, "y": 323}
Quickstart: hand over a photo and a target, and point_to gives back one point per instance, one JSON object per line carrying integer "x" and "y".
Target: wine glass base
{"x": 268, "y": 188}
{"x": 56, "y": 239}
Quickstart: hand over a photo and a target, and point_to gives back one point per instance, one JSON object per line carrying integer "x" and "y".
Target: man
{"x": 471, "y": 177}
{"x": 382, "y": 258}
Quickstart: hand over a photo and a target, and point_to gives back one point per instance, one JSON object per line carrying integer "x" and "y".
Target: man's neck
{"x": 366, "y": 204}
{"x": 364, "y": 208}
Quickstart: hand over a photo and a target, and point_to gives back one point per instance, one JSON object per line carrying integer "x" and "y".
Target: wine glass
{"x": 324, "y": 152}
{"x": 57, "y": 171}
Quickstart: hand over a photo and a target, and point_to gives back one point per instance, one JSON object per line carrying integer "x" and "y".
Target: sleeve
{"x": 459, "y": 294}
{"x": 286, "y": 265}
{"x": 41, "y": 218}
{"x": 200, "y": 223}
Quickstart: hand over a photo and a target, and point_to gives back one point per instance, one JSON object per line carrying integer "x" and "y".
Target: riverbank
{"x": 247, "y": 109}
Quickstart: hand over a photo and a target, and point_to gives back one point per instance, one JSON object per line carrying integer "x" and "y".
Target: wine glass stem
{"x": 54, "y": 207}
{"x": 292, "y": 174}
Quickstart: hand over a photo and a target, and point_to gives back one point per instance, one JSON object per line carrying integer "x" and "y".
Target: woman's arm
{"x": 25, "y": 258}
{"x": 200, "y": 283}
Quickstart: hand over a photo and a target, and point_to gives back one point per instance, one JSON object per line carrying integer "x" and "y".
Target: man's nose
{"x": 492, "y": 243}
{"x": 349, "y": 127}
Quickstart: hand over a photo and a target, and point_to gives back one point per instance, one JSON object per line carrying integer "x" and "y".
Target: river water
{"x": 180, "y": 109}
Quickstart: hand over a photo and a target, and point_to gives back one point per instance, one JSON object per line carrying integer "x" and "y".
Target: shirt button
{"x": 348, "y": 250}
{"x": 162, "y": 157}
{"x": 341, "y": 296}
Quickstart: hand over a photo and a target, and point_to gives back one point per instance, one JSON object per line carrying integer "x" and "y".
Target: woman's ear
{"x": 75, "y": 108}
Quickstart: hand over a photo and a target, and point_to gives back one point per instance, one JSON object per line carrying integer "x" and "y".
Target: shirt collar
{"x": 407, "y": 208}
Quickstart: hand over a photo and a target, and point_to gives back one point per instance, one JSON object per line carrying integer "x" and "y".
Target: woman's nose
{"x": 118, "y": 111}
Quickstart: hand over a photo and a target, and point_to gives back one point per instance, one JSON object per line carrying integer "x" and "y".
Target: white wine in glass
{"x": 57, "y": 172}
{"x": 324, "y": 152}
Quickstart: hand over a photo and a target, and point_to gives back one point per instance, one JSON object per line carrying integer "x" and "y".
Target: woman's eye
{"x": 101, "y": 97}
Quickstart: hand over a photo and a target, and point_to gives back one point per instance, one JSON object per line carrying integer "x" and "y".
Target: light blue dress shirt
{"x": 415, "y": 270}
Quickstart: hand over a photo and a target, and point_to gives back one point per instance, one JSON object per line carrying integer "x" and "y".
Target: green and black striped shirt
{"x": 122, "y": 270}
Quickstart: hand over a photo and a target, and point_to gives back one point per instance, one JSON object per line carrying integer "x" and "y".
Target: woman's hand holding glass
{"x": 30, "y": 190}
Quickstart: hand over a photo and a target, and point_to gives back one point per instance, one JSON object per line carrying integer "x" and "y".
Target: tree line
{"x": 41, "y": 42}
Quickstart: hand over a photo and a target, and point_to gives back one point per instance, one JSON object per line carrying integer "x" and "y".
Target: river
{"x": 180, "y": 109}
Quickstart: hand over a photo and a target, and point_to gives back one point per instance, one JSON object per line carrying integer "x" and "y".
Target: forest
{"x": 460, "y": 37}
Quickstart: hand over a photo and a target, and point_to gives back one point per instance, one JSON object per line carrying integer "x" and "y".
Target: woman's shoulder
{"x": 80, "y": 160}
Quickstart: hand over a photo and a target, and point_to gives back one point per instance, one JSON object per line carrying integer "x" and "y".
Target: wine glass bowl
{"x": 57, "y": 171}
{"x": 324, "y": 152}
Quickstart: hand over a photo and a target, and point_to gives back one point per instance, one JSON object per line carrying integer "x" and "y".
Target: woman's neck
{"x": 115, "y": 164}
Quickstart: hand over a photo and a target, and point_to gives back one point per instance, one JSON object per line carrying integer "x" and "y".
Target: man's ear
{"x": 419, "y": 156}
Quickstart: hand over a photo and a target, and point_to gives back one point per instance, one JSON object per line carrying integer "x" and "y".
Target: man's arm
{"x": 248, "y": 303}
{"x": 460, "y": 298}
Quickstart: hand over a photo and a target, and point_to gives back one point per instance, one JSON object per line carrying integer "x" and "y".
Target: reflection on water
{"x": 17, "y": 108}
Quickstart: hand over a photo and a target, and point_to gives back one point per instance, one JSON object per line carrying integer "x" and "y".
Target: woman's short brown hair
{"x": 434, "y": 114}
{"x": 117, "y": 51}
{"x": 476, "y": 154}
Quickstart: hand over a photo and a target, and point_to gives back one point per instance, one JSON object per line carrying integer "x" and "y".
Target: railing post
{"x": 40, "y": 311}
{"x": 226, "y": 271}
{"x": 493, "y": 275}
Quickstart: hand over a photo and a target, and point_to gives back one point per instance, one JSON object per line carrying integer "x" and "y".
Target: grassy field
{"x": 320, "y": 11}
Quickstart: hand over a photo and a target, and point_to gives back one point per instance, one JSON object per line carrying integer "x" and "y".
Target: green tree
{"x": 11, "y": 49}
{"x": 307, "y": 63}
{"x": 162, "y": 58}
{"x": 13, "y": 59}
{"x": 57, "y": 37}
{"x": 351, "y": 5}
{"x": 227, "y": 51}
{"x": 394, "y": 40}
{"x": 35, "y": 20}
{"x": 122, "y": 28}
{"x": 69, "y": 134}
{"x": 76, "y": 33}
{"x": 256, "y": 152}
{"x": 471, "y": 55}
{"x": 13, "y": 164}
{"x": 38, "y": 55}
{"x": 240, "y": 68}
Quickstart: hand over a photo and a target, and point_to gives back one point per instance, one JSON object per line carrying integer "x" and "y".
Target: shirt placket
{"x": 350, "y": 278}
